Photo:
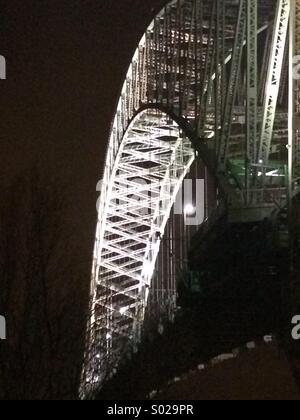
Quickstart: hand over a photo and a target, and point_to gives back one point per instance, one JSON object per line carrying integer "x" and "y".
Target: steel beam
{"x": 296, "y": 93}
{"x": 220, "y": 79}
{"x": 251, "y": 118}
{"x": 233, "y": 84}
{"x": 273, "y": 80}
{"x": 208, "y": 72}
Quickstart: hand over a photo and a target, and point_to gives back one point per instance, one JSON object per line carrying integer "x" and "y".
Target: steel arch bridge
{"x": 215, "y": 80}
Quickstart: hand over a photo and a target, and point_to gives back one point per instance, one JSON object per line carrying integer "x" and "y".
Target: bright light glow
{"x": 122, "y": 311}
{"x": 210, "y": 135}
{"x": 274, "y": 173}
{"x": 108, "y": 336}
{"x": 147, "y": 269}
{"x": 261, "y": 161}
{"x": 189, "y": 210}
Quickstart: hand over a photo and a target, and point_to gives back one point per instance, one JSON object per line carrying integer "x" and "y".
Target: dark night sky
{"x": 65, "y": 63}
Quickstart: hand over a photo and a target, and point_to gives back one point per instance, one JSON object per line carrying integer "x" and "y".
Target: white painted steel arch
{"x": 136, "y": 200}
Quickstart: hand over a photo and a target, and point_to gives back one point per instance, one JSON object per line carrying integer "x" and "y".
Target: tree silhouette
{"x": 42, "y": 291}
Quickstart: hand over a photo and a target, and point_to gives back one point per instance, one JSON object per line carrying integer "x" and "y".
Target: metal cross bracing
{"x": 252, "y": 91}
{"x": 273, "y": 80}
{"x": 233, "y": 83}
{"x": 295, "y": 100}
{"x": 148, "y": 171}
{"x": 205, "y": 77}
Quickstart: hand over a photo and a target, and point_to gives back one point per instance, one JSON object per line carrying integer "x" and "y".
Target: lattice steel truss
{"x": 147, "y": 173}
{"x": 273, "y": 80}
{"x": 295, "y": 102}
{"x": 193, "y": 85}
{"x": 252, "y": 88}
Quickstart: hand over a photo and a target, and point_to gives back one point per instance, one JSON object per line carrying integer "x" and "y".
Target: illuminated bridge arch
{"x": 209, "y": 78}
{"x": 136, "y": 201}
